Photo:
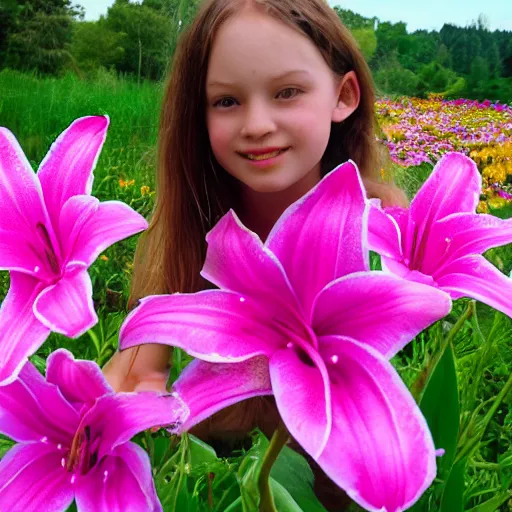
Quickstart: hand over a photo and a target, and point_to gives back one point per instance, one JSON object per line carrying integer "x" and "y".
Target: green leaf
{"x": 292, "y": 471}
{"x": 291, "y": 480}
{"x": 200, "y": 452}
{"x": 283, "y": 499}
{"x": 494, "y": 503}
{"x": 440, "y": 406}
{"x": 453, "y": 493}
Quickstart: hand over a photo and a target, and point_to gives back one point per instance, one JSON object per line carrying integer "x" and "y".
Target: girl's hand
{"x": 142, "y": 368}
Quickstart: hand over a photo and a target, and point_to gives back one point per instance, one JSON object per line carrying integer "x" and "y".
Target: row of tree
{"x": 137, "y": 39}
{"x": 470, "y": 61}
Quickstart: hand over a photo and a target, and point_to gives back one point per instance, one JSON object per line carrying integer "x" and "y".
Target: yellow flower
{"x": 144, "y": 190}
{"x": 482, "y": 207}
{"x": 103, "y": 257}
{"x": 122, "y": 183}
{"x": 130, "y": 183}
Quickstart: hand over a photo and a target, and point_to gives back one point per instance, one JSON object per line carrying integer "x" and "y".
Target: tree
{"x": 41, "y": 35}
{"x": 147, "y": 38}
{"x": 367, "y": 41}
{"x": 94, "y": 45}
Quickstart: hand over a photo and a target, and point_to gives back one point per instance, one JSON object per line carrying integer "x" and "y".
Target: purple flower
{"x": 440, "y": 239}
{"x": 74, "y": 440}
{"x": 51, "y": 230}
{"x": 301, "y": 317}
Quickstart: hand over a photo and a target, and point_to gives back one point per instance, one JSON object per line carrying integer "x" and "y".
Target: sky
{"x": 418, "y": 14}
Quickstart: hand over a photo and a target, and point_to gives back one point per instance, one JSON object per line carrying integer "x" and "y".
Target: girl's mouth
{"x": 265, "y": 156}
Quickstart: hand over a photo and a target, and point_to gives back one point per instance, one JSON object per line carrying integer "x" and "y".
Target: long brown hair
{"x": 193, "y": 191}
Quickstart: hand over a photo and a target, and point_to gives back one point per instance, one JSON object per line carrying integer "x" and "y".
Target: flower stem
{"x": 418, "y": 386}
{"x": 279, "y": 439}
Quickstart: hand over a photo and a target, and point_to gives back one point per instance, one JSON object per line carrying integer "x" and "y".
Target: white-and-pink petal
{"x": 67, "y": 307}
{"x": 331, "y": 221}
{"x": 206, "y": 388}
{"x": 380, "y": 450}
{"x": 67, "y": 169}
{"x": 380, "y": 310}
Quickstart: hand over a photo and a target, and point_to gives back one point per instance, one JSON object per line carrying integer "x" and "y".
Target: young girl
{"x": 265, "y": 97}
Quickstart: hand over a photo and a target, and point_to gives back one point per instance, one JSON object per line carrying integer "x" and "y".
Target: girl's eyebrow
{"x": 282, "y": 76}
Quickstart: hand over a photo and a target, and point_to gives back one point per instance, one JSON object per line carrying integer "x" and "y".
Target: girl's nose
{"x": 257, "y": 122}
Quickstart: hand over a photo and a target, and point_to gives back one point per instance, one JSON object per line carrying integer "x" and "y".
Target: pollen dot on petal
{"x": 334, "y": 359}
{"x": 44, "y": 439}
{"x": 289, "y": 345}
{"x": 63, "y": 462}
{"x": 36, "y": 269}
{"x": 73, "y": 478}
{"x": 447, "y": 240}
{"x": 105, "y": 475}
{"x": 59, "y": 447}
{"x": 242, "y": 299}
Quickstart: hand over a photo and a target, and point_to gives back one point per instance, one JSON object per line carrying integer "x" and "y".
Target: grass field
{"x": 37, "y": 110}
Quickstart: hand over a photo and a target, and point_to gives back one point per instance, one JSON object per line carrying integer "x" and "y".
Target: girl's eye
{"x": 289, "y": 93}
{"x": 225, "y": 102}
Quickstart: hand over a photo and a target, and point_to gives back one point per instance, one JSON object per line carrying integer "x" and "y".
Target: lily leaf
{"x": 440, "y": 406}
{"x": 453, "y": 493}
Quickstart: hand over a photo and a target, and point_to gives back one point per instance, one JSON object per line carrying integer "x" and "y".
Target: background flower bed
{"x": 188, "y": 474}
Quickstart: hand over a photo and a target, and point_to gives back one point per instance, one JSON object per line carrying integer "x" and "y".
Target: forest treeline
{"x": 50, "y": 37}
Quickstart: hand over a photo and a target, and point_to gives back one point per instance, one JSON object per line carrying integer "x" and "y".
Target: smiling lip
{"x": 262, "y": 151}
{"x": 264, "y": 154}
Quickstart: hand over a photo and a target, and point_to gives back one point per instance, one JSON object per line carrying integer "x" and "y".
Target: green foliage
{"x": 94, "y": 46}
{"x": 367, "y": 41}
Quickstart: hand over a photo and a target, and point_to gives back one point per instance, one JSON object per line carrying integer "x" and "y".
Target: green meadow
{"x": 191, "y": 476}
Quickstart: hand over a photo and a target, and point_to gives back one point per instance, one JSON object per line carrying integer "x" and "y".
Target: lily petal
{"x": 380, "y": 450}
{"x": 121, "y": 482}
{"x": 206, "y": 388}
{"x": 378, "y": 309}
{"x": 67, "y": 168}
{"x": 87, "y": 227}
{"x": 473, "y": 276}
{"x": 384, "y": 234}
{"x": 213, "y": 325}
{"x": 33, "y": 410}
{"x": 462, "y": 234}
{"x": 21, "y": 333}
{"x": 303, "y": 396}
{"x": 32, "y": 478}
{"x": 328, "y": 220}
{"x": 237, "y": 261}
{"x": 22, "y": 208}
{"x": 453, "y": 187}
{"x": 133, "y": 413}
{"x": 80, "y": 381}
{"x": 66, "y": 307}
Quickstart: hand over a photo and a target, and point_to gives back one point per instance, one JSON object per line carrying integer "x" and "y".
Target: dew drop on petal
{"x": 447, "y": 240}
{"x": 105, "y": 475}
{"x": 334, "y": 359}
{"x": 59, "y": 447}
{"x": 37, "y": 269}
{"x": 44, "y": 439}
{"x": 289, "y": 345}
{"x": 73, "y": 479}
{"x": 63, "y": 462}
{"x": 242, "y": 299}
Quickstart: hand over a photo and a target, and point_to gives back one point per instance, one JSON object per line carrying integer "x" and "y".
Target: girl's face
{"x": 271, "y": 99}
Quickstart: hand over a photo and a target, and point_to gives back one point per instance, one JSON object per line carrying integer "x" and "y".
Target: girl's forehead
{"x": 252, "y": 42}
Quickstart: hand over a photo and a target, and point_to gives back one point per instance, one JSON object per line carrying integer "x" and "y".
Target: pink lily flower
{"x": 51, "y": 231}
{"x": 440, "y": 239}
{"x": 73, "y": 435}
{"x": 301, "y": 317}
